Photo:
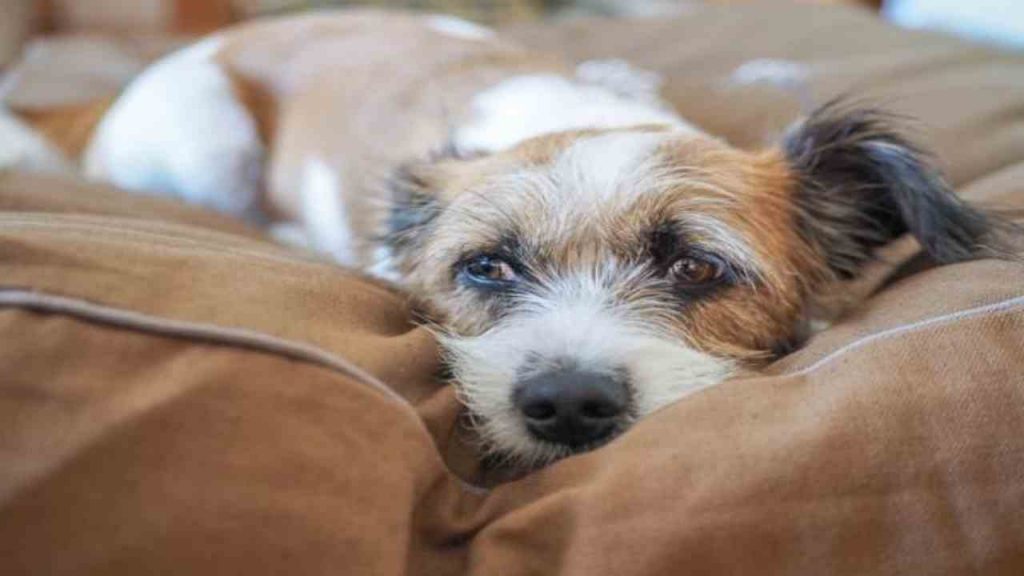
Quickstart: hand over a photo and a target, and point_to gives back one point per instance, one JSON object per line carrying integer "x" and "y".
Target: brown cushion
{"x": 215, "y": 393}
{"x": 179, "y": 395}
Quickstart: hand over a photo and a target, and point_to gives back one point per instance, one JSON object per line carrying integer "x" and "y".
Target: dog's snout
{"x": 572, "y": 407}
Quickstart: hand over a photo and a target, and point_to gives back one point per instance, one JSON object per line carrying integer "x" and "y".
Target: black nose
{"x": 572, "y": 407}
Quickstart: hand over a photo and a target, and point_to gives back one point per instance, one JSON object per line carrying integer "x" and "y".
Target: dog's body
{"x": 586, "y": 255}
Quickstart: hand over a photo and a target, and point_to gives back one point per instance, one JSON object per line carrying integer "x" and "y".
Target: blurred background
{"x": 195, "y": 16}
{"x": 65, "y": 36}
{"x": 203, "y": 15}
{"x": 1000, "y": 21}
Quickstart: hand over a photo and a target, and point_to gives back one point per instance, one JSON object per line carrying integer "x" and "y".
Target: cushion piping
{"x": 1001, "y": 306}
{"x": 240, "y": 337}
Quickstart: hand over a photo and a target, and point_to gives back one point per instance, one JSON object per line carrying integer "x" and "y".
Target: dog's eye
{"x": 488, "y": 271}
{"x": 701, "y": 270}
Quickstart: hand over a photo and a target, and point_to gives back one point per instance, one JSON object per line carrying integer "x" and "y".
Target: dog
{"x": 22, "y": 147}
{"x": 585, "y": 255}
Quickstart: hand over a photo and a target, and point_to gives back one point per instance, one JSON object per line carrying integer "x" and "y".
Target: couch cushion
{"x": 201, "y": 385}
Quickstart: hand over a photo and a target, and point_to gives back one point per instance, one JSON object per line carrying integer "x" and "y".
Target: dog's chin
{"x": 506, "y": 443}
{"x": 532, "y": 454}
{"x": 528, "y": 452}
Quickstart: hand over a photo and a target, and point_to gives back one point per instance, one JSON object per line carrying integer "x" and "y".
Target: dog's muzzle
{"x": 571, "y": 407}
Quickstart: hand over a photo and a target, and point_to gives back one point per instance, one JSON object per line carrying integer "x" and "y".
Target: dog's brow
{"x": 710, "y": 234}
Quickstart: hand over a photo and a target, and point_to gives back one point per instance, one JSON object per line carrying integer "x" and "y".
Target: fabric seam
{"x": 944, "y": 319}
{"x": 239, "y": 337}
{"x": 164, "y": 239}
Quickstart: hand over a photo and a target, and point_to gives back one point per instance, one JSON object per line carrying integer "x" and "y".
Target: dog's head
{"x": 583, "y": 280}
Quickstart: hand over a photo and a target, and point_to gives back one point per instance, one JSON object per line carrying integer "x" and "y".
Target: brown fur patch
{"x": 69, "y": 128}
{"x": 261, "y": 103}
{"x": 749, "y": 320}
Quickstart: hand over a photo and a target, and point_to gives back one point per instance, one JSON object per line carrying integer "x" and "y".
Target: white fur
{"x": 291, "y": 234}
{"x": 179, "y": 130}
{"x": 324, "y": 213}
{"x": 623, "y": 78}
{"x": 22, "y": 148}
{"x": 576, "y": 320}
{"x": 607, "y": 167}
{"x": 523, "y": 107}
{"x": 458, "y": 28}
{"x": 384, "y": 265}
{"x": 594, "y": 177}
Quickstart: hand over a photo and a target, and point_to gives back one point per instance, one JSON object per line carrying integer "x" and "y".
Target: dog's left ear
{"x": 861, "y": 183}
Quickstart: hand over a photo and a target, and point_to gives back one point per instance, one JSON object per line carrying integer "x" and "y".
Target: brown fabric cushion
{"x": 179, "y": 395}
{"x": 217, "y": 400}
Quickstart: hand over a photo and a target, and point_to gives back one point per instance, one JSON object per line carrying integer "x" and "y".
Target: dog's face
{"x": 583, "y": 280}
